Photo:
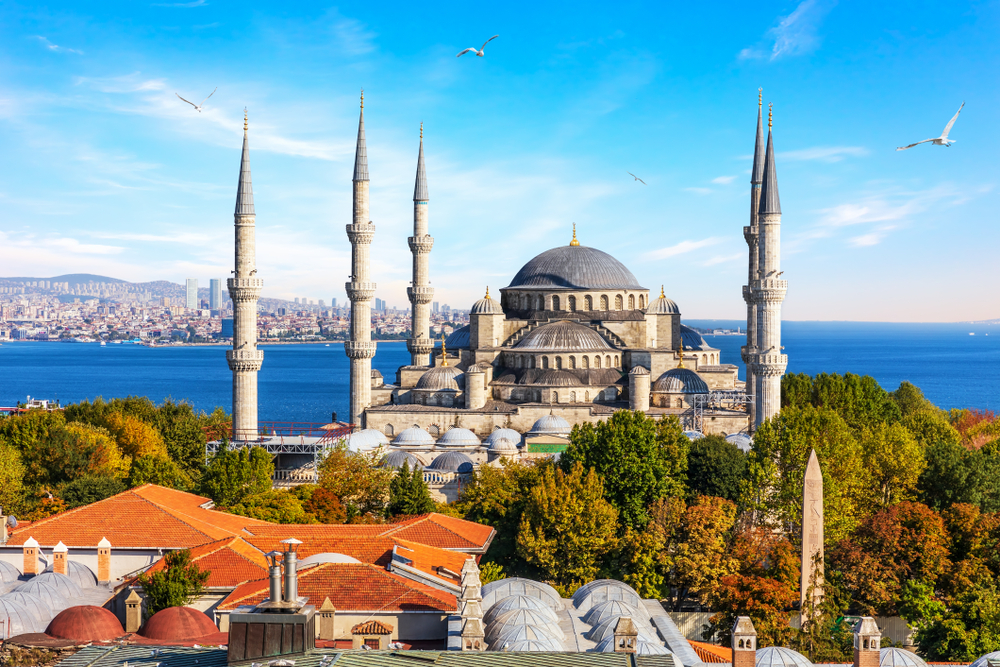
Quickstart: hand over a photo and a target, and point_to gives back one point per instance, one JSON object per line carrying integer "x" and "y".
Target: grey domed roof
{"x": 452, "y": 462}
{"x": 503, "y": 445}
{"x": 519, "y": 602}
{"x": 680, "y": 381}
{"x": 663, "y": 306}
{"x": 552, "y": 425}
{"x": 16, "y": 619}
{"x": 376, "y": 373}
{"x": 458, "y": 437}
{"x": 602, "y": 591}
{"x": 741, "y": 440}
{"x": 81, "y": 575}
{"x": 639, "y": 370}
{"x": 983, "y": 660}
{"x": 395, "y": 459}
{"x": 897, "y": 657}
{"x": 577, "y": 267}
{"x": 9, "y": 573}
{"x": 503, "y": 433}
{"x": 442, "y": 378}
{"x": 366, "y": 439}
{"x": 50, "y": 597}
{"x": 509, "y": 634}
{"x": 562, "y": 335}
{"x": 487, "y": 306}
{"x": 533, "y": 618}
{"x": 641, "y": 648}
{"x": 63, "y": 584}
{"x": 606, "y": 629}
{"x": 604, "y": 611}
{"x": 498, "y": 590}
{"x": 459, "y": 338}
{"x": 556, "y": 378}
{"x": 694, "y": 435}
{"x": 692, "y": 340}
{"x": 43, "y": 612}
{"x": 779, "y": 656}
{"x": 413, "y": 437}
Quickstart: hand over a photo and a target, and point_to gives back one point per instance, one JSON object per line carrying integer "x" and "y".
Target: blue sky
{"x": 105, "y": 171}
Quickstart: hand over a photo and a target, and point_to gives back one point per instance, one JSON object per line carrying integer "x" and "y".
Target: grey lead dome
{"x": 575, "y": 267}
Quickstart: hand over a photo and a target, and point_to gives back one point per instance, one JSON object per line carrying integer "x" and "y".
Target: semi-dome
{"x": 9, "y": 574}
{"x": 459, "y": 338}
{"x": 458, "y": 437}
{"x": 984, "y": 660}
{"x": 43, "y": 612}
{"x": 396, "y": 459}
{"x": 603, "y": 611}
{"x": 50, "y": 597}
{"x": 510, "y": 634}
{"x": 603, "y": 591}
{"x": 897, "y": 657}
{"x": 452, "y": 462}
{"x": 641, "y": 647}
{"x": 556, "y": 378}
{"x": 65, "y": 586}
{"x": 551, "y": 425}
{"x": 692, "y": 340}
{"x": 575, "y": 267}
{"x": 81, "y": 575}
{"x": 442, "y": 378}
{"x": 562, "y": 336}
{"x": 365, "y": 440}
{"x": 694, "y": 435}
{"x": 85, "y": 623}
{"x": 680, "y": 381}
{"x": 503, "y": 433}
{"x": 741, "y": 440}
{"x": 519, "y": 618}
{"x": 519, "y": 602}
{"x": 503, "y": 446}
{"x": 413, "y": 437}
{"x": 486, "y": 306}
{"x": 779, "y": 656}
{"x": 178, "y": 624}
{"x": 16, "y": 619}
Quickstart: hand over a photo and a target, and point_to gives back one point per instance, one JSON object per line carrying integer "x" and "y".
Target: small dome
{"x": 452, "y": 462}
{"x": 983, "y": 661}
{"x": 486, "y": 306}
{"x": 519, "y": 602}
{"x": 478, "y": 368}
{"x": 551, "y": 425}
{"x": 692, "y": 340}
{"x": 741, "y": 440}
{"x": 554, "y": 378}
{"x": 530, "y": 646}
{"x": 639, "y": 370}
{"x": 603, "y": 591}
{"x": 562, "y": 336}
{"x": 641, "y": 647}
{"x": 376, "y": 373}
{"x": 501, "y": 589}
{"x": 396, "y": 458}
{"x": 503, "y": 446}
{"x": 65, "y": 586}
{"x": 178, "y": 624}
{"x": 365, "y": 440}
{"x": 458, "y": 437}
{"x": 533, "y": 618}
{"x": 413, "y": 437}
{"x": 43, "y": 612}
{"x": 459, "y": 339}
{"x": 81, "y": 575}
{"x": 8, "y": 573}
{"x": 897, "y": 657}
{"x": 16, "y": 619}
{"x": 779, "y": 656}
{"x": 85, "y": 623}
{"x": 503, "y": 434}
{"x": 442, "y": 378}
{"x": 606, "y": 629}
{"x": 694, "y": 435}
{"x": 604, "y": 611}
{"x": 49, "y": 596}
{"x": 680, "y": 381}
{"x": 520, "y": 633}
{"x": 663, "y": 306}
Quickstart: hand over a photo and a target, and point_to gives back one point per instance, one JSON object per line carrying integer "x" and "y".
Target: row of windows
{"x": 529, "y": 361}
{"x": 525, "y": 395}
{"x": 528, "y": 302}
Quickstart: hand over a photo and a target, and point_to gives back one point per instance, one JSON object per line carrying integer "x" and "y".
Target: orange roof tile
{"x": 445, "y": 532}
{"x": 432, "y": 559}
{"x": 148, "y": 516}
{"x": 711, "y": 652}
{"x": 372, "y": 627}
{"x": 230, "y": 562}
{"x": 352, "y": 587}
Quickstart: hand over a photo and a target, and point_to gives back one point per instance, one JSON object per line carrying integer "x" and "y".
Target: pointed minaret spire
{"x": 420, "y": 188}
{"x": 751, "y": 234}
{"x": 769, "y": 201}
{"x": 757, "y": 174}
{"x": 244, "y": 192}
{"x": 420, "y": 292}
{"x": 361, "y": 152}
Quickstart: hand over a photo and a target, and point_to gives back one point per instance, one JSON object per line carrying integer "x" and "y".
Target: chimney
{"x": 327, "y": 615}
{"x": 104, "y": 561}
{"x": 867, "y": 638}
{"x": 31, "y": 556}
{"x": 274, "y": 570}
{"x": 745, "y": 643}
{"x": 626, "y": 635}
{"x": 133, "y": 612}
{"x": 291, "y": 570}
{"x": 59, "y": 563}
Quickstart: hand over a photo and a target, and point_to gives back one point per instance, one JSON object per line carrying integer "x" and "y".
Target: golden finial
{"x": 574, "y": 241}
{"x": 487, "y": 291}
{"x": 362, "y": 99}
{"x": 680, "y": 354}
{"x": 444, "y": 351}
{"x": 245, "y": 124}
{"x": 421, "y": 130}
{"x": 760, "y": 97}
{"x": 662, "y": 295}
{"x": 769, "y": 114}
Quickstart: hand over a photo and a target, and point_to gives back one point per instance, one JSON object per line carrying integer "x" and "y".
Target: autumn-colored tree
{"x": 639, "y": 459}
{"x": 274, "y": 505}
{"x": 11, "y": 479}
{"x": 894, "y": 461}
{"x": 325, "y": 506}
{"x": 702, "y": 556}
{"x": 567, "y": 525}
{"x": 72, "y": 451}
{"x": 640, "y": 561}
{"x": 135, "y": 437}
{"x": 977, "y": 427}
{"x": 25, "y": 430}
{"x": 358, "y": 481}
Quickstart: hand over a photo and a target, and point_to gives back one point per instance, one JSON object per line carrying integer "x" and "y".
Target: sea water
{"x": 309, "y": 382}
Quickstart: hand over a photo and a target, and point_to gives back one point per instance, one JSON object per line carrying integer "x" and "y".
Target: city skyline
{"x": 111, "y": 174}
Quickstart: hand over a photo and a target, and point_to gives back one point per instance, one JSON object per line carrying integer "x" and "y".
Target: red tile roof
{"x": 445, "y": 532}
{"x": 711, "y": 653}
{"x": 230, "y": 562}
{"x": 352, "y": 587}
{"x": 371, "y": 628}
{"x": 147, "y": 516}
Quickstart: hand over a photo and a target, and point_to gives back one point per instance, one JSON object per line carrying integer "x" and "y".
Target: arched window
{"x": 572, "y": 303}
{"x": 604, "y": 302}
{"x": 642, "y": 301}
{"x": 741, "y": 643}
{"x": 631, "y": 301}
{"x": 618, "y": 302}
{"x": 555, "y": 396}
{"x": 389, "y": 430}
{"x": 679, "y": 403}
{"x": 586, "y": 396}
{"x": 434, "y": 430}
{"x": 545, "y": 362}
{"x": 524, "y": 302}
{"x": 572, "y": 397}
{"x": 616, "y": 361}
{"x": 572, "y": 362}
{"x": 704, "y": 358}
{"x": 588, "y": 302}
{"x": 586, "y": 362}
{"x": 607, "y": 361}
{"x": 555, "y": 303}
{"x": 597, "y": 362}
{"x": 559, "y": 363}
{"x": 532, "y": 360}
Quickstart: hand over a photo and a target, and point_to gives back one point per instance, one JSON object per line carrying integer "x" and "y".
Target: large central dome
{"x": 575, "y": 267}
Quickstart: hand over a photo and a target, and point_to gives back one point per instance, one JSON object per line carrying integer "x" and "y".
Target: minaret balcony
{"x": 750, "y": 234}
{"x": 245, "y": 360}
{"x": 244, "y": 289}
{"x": 361, "y": 234}
{"x": 420, "y": 345}
{"x": 360, "y": 349}
{"x": 747, "y": 293}
{"x": 768, "y": 364}
{"x": 358, "y": 291}
{"x": 422, "y": 295}
{"x": 421, "y": 244}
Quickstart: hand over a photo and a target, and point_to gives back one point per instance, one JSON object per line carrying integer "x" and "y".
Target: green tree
{"x": 90, "y": 489}
{"x": 639, "y": 561}
{"x": 72, "y": 451}
{"x": 950, "y": 476}
{"x": 12, "y": 490}
{"x": 911, "y": 400}
{"x": 178, "y": 584}
{"x": 967, "y": 630}
{"x": 491, "y": 572}
{"x": 796, "y": 390}
{"x": 357, "y": 480}
{"x": 859, "y": 400}
{"x": 25, "y": 430}
{"x": 638, "y": 458}
{"x": 894, "y": 462}
{"x": 158, "y": 470}
{"x": 233, "y": 475}
{"x": 931, "y": 427}
{"x": 715, "y": 468}
{"x": 567, "y": 525}
{"x": 275, "y": 505}
{"x": 408, "y": 493}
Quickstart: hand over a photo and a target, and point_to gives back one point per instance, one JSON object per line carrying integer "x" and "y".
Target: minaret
{"x": 360, "y": 290}
{"x": 244, "y": 289}
{"x": 768, "y": 291}
{"x": 420, "y": 293}
{"x": 750, "y": 234}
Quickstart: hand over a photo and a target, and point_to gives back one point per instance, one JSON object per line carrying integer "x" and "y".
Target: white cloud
{"x": 874, "y": 238}
{"x": 723, "y": 180}
{"x": 55, "y": 47}
{"x": 824, "y": 153}
{"x": 795, "y": 34}
{"x": 725, "y": 259}
{"x": 699, "y": 191}
{"x": 682, "y": 248}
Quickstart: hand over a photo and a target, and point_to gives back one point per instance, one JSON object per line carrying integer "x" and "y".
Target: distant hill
{"x": 74, "y": 279}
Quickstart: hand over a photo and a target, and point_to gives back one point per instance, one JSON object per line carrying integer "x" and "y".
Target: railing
{"x": 280, "y": 437}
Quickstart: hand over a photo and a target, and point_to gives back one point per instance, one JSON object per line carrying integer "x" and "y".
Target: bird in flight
{"x": 480, "y": 51}
{"x": 635, "y": 177}
{"x": 943, "y": 140}
{"x": 197, "y": 107}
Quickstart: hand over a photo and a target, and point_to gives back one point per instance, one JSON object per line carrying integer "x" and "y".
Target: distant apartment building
{"x": 192, "y": 293}
{"x": 333, "y": 304}
{"x": 215, "y": 293}
{"x": 434, "y": 307}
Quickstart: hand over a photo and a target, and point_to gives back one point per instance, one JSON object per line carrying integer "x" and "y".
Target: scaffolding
{"x": 731, "y": 400}
{"x": 282, "y": 438}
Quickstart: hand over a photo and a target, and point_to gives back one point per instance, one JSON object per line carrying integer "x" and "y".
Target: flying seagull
{"x": 943, "y": 140}
{"x": 480, "y": 51}
{"x": 635, "y": 177}
{"x": 197, "y": 107}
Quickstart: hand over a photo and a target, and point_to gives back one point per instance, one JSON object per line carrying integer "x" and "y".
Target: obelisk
{"x": 812, "y": 540}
